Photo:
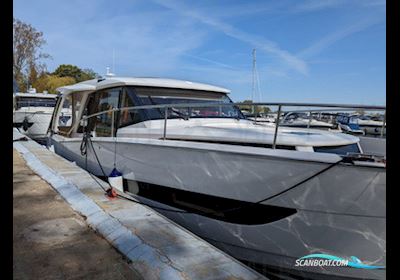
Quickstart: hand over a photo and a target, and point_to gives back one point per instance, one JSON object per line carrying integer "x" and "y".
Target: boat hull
{"x": 277, "y": 245}
{"x": 373, "y": 145}
{"x": 348, "y": 129}
{"x": 372, "y": 129}
{"x": 38, "y": 123}
{"x": 340, "y": 212}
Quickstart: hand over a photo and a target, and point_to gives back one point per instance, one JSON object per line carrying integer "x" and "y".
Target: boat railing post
{"x": 309, "y": 120}
{"x": 255, "y": 113}
{"x": 112, "y": 124}
{"x": 276, "y": 126}
{"x": 384, "y": 123}
{"x": 165, "y": 122}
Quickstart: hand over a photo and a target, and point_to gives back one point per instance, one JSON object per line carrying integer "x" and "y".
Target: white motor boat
{"x": 32, "y": 113}
{"x": 371, "y": 126}
{"x": 302, "y": 120}
{"x": 224, "y": 177}
{"x": 349, "y": 124}
{"x": 263, "y": 118}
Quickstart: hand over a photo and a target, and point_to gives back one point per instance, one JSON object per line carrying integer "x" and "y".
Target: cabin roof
{"x": 38, "y": 95}
{"x": 95, "y": 84}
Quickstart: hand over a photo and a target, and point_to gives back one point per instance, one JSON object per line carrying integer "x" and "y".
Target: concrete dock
{"x": 66, "y": 228}
{"x": 52, "y": 241}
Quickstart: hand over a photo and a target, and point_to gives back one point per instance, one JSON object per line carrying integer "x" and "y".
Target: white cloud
{"x": 332, "y": 38}
{"x": 255, "y": 41}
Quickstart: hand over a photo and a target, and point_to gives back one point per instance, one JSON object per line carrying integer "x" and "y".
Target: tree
{"x": 32, "y": 74}
{"x": 27, "y": 43}
{"x": 245, "y": 105}
{"x": 266, "y": 109}
{"x": 50, "y": 83}
{"x": 68, "y": 70}
{"x": 55, "y": 82}
{"x": 89, "y": 74}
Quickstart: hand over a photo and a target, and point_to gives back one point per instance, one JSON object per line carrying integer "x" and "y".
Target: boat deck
{"x": 53, "y": 231}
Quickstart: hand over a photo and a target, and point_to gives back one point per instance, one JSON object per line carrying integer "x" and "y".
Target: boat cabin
{"x": 211, "y": 124}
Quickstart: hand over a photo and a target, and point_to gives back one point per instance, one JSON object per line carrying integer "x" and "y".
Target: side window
{"x": 98, "y": 102}
{"x": 128, "y": 117}
{"x": 65, "y": 116}
{"x": 69, "y": 113}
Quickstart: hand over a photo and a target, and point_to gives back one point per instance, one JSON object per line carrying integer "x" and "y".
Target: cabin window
{"x": 101, "y": 101}
{"x": 223, "y": 209}
{"x": 65, "y": 115}
{"x": 69, "y": 114}
{"x": 128, "y": 117}
{"x": 339, "y": 150}
{"x": 161, "y": 96}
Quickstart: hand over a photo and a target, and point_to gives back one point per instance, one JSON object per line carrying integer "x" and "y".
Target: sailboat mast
{"x": 253, "y": 90}
{"x": 254, "y": 76}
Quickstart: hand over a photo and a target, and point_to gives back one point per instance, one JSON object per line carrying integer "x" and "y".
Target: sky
{"x": 325, "y": 51}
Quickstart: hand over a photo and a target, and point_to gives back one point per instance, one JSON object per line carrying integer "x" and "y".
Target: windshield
{"x": 160, "y": 96}
{"x": 353, "y": 120}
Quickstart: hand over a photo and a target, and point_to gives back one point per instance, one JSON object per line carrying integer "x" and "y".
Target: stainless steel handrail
{"x": 276, "y": 126}
{"x": 345, "y": 107}
{"x": 208, "y": 104}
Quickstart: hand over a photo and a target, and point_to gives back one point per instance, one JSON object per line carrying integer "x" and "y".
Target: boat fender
{"x": 25, "y": 124}
{"x": 115, "y": 180}
{"x": 111, "y": 193}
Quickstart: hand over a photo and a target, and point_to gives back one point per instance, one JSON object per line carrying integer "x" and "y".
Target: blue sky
{"x": 307, "y": 51}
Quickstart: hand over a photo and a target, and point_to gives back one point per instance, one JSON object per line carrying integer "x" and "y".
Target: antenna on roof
{"x": 109, "y": 74}
{"x": 113, "y": 68}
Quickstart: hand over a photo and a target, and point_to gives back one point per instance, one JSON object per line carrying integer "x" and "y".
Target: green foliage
{"x": 51, "y": 82}
{"x": 266, "y": 109}
{"x": 28, "y": 68}
{"x": 68, "y": 70}
{"x": 245, "y": 105}
{"x": 89, "y": 74}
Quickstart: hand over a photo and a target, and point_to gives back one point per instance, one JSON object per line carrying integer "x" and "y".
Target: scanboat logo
{"x": 329, "y": 260}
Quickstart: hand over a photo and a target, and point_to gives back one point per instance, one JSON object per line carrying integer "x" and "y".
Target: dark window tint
{"x": 104, "y": 100}
{"x": 129, "y": 116}
{"x": 161, "y": 96}
{"x": 339, "y": 150}
{"x": 108, "y": 100}
{"x": 219, "y": 208}
{"x": 35, "y": 102}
